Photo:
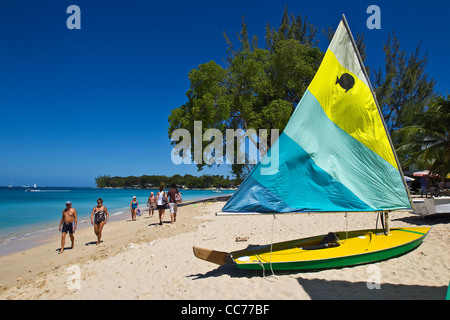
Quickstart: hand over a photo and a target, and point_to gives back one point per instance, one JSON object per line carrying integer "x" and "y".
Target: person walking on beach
{"x": 99, "y": 217}
{"x": 173, "y": 203}
{"x": 134, "y": 206}
{"x": 161, "y": 201}
{"x": 151, "y": 204}
{"x": 68, "y": 224}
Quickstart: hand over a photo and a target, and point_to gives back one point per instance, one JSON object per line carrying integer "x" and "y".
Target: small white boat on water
{"x": 34, "y": 189}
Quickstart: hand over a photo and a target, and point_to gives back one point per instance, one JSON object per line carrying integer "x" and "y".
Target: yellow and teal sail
{"x": 335, "y": 154}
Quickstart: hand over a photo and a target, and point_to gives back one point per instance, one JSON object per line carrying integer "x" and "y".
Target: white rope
{"x": 279, "y": 221}
{"x": 270, "y": 259}
{"x": 346, "y": 226}
{"x": 261, "y": 264}
{"x": 271, "y": 246}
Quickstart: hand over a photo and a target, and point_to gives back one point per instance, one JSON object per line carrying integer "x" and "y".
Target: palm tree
{"x": 427, "y": 142}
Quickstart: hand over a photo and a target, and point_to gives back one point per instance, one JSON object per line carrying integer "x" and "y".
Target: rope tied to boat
{"x": 346, "y": 227}
{"x": 271, "y": 250}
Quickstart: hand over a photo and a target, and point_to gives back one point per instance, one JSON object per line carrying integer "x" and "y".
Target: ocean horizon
{"x": 30, "y": 215}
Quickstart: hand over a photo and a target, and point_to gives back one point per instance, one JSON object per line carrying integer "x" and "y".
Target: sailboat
{"x": 334, "y": 155}
{"x": 33, "y": 190}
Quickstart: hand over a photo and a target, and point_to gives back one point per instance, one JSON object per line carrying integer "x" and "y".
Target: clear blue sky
{"x": 75, "y": 104}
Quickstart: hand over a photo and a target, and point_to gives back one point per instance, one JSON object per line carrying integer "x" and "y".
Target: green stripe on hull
{"x": 338, "y": 262}
{"x": 406, "y": 230}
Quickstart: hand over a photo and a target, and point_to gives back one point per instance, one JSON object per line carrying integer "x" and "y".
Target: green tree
{"x": 257, "y": 89}
{"x": 102, "y": 181}
{"x": 427, "y": 141}
{"x": 291, "y": 27}
{"x": 403, "y": 89}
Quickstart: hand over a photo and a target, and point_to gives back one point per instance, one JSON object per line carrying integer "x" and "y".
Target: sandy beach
{"x": 143, "y": 260}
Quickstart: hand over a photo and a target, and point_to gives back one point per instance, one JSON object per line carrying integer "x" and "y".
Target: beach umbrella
{"x": 424, "y": 173}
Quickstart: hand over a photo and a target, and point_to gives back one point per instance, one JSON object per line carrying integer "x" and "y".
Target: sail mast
{"x": 355, "y": 47}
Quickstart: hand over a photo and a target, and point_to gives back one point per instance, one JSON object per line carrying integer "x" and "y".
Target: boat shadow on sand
{"x": 320, "y": 289}
{"x": 229, "y": 269}
{"x": 430, "y": 220}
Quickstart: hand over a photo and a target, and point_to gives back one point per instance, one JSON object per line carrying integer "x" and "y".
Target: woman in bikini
{"x": 99, "y": 217}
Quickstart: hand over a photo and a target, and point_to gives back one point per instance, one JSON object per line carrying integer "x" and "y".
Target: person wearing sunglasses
{"x": 99, "y": 217}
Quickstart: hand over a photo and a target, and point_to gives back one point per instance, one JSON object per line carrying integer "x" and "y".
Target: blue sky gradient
{"x": 75, "y": 104}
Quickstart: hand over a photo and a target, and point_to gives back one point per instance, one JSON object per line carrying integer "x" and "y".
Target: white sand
{"x": 142, "y": 260}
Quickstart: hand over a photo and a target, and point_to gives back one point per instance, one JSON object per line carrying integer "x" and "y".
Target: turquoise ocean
{"x": 27, "y": 217}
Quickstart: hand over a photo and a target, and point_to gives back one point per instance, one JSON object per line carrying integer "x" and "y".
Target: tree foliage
{"x": 403, "y": 89}
{"x": 154, "y": 181}
{"x": 291, "y": 27}
{"x": 426, "y": 142}
{"x": 258, "y": 88}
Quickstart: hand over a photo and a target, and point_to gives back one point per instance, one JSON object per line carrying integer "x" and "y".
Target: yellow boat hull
{"x": 354, "y": 248}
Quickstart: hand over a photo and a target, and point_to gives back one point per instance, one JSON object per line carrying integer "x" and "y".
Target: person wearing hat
{"x": 68, "y": 224}
{"x": 134, "y": 207}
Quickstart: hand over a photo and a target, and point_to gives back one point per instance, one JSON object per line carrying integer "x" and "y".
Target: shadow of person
{"x": 92, "y": 242}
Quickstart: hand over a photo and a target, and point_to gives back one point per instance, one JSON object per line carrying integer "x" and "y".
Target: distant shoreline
{"x": 135, "y": 188}
{"x": 156, "y": 188}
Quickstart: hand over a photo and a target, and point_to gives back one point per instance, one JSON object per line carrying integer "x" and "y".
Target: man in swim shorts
{"x": 172, "y": 203}
{"x": 68, "y": 224}
{"x": 151, "y": 204}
